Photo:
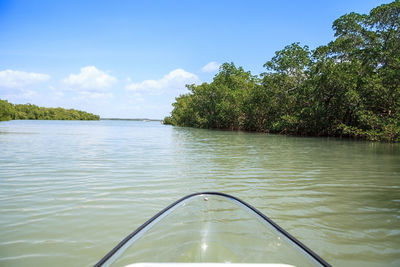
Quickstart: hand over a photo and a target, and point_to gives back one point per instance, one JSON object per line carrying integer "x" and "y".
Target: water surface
{"x": 71, "y": 190}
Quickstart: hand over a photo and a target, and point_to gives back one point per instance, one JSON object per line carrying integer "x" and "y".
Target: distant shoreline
{"x": 10, "y": 111}
{"x": 135, "y": 119}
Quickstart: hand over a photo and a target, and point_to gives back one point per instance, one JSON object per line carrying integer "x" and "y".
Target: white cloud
{"x": 176, "y": 79}
{"x": 137, "y": 97}
{"x": 28, "y": 94}
{"x": 90, "y": 79}
{"x": 211, "y": 67}
{"x": 14, "y": 79}
{"x": 96, "y": 95}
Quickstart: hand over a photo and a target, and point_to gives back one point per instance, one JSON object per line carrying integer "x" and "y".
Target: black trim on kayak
{"x": 276, "y": 226}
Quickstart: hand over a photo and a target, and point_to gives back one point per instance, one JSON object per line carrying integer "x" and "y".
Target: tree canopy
{"x": 349, "y": 87}
{"x": 9, "y": 111}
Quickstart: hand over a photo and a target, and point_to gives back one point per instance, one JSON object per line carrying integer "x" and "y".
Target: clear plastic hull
{"x": 211, "y": 228}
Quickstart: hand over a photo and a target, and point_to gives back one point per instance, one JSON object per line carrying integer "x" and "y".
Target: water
{"x": 70, "y": 190}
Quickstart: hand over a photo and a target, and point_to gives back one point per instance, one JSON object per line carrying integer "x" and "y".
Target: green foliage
{"x": 6, "y": 110}
{"x": 9, "y": 111}
{"x": 219, "y": 104}
{"x": 350, "y": 87}
{"x": 168, "y": 121}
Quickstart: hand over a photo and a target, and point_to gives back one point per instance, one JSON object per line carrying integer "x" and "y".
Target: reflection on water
{"x": 70, "y": 191}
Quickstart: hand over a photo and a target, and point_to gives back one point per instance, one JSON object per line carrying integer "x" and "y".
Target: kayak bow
{"x": 210, "y": 227}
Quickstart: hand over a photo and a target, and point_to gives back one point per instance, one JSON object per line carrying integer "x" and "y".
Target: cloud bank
{"x": 14, "y": 79}
{"x": 90, "y": 79}
{"x": 211, "y": 67}
{"x": 176, "y": 79}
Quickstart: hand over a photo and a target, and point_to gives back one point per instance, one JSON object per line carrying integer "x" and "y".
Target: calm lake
{"x": 71, "y": 190}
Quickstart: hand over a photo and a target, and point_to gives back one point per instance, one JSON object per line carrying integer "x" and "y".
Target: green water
{"x": 70, "y": 191}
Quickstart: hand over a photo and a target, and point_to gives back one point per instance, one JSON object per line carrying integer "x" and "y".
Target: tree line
{"x": 349, "y": 87}
{"x": 9, "y": 111}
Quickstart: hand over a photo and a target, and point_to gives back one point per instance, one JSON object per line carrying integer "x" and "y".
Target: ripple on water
{"x": 69, "y": 191}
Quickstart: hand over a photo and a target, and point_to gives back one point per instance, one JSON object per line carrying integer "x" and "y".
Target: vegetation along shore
{"x": 349, "y": 87}
{"x": 9, "y": 111}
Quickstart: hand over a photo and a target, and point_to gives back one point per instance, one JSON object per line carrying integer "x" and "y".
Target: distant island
{"x": 9, "y": 111}
{"x": 349, "y": 87}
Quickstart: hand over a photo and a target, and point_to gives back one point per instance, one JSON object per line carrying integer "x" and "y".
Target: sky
{"x": 130, "y": 59}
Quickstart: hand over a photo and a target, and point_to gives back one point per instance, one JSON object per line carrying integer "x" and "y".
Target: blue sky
{"x": 130, "y": 59}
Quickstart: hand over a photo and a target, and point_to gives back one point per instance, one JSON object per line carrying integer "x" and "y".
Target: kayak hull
{"x": 213, "y": 228}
